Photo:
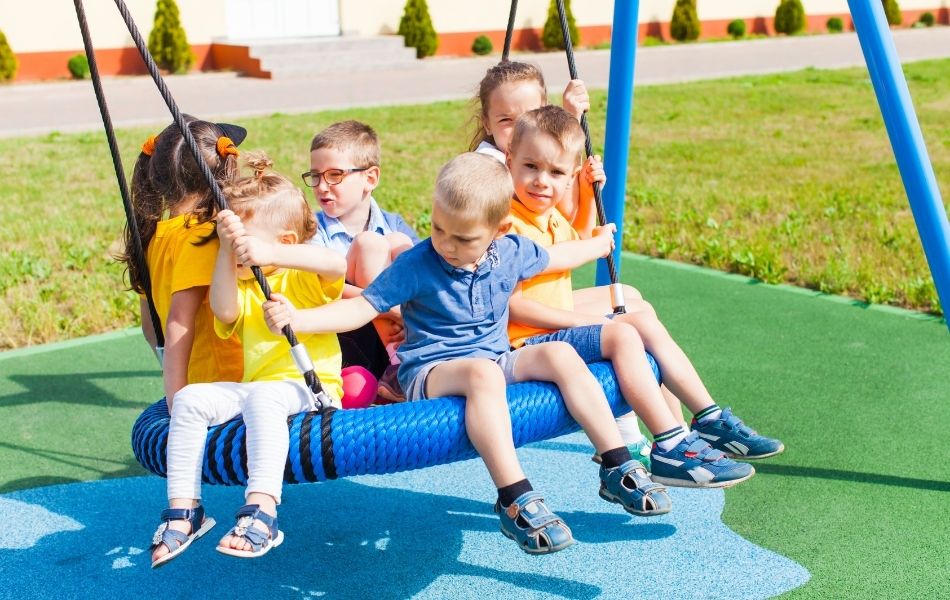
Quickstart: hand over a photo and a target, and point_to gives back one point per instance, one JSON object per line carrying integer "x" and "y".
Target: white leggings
{"x": 265, "y": 406}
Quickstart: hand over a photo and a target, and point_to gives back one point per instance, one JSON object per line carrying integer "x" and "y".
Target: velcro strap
{"x": 178, "y": 514}
{"x": 539, "y": 517}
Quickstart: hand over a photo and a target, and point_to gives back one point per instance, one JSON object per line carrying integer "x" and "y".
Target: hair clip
{"x": 148, "y": 148}
{"x": 226, "y": 146}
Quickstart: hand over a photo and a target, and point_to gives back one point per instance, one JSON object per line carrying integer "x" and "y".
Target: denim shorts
{"x": 585, "y": 340}
{"x": 417, "y": 389}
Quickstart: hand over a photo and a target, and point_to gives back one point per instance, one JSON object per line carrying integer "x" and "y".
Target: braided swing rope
{"x": 298, "y": 351}
{"x": 138, "y": 253}
{"x": 510, "y": 31}
{"x": 616, "y": 289}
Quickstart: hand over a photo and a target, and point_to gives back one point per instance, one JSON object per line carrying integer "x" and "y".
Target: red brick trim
{"x": 111, "y": 61}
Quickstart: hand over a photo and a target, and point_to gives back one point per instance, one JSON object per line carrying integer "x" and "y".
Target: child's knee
{"x": 560, "y": 356}
{"x": 369, "y": 241}
{"x": 640, "y": 306}
{"x": 398, "y": 243}
{"x": 631, "y": 293}
{"x": 484, "y": 375}
{"x": 619, "y": 336}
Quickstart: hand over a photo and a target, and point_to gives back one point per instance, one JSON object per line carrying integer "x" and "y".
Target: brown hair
{"x": 271, "y": 199}
{"x": 553, "y": 121}
{"x": 474, "y": 185}
{"x": 496, "y": 76}
{"x": 356, "y": 139}
{"x": 169, "y": 176}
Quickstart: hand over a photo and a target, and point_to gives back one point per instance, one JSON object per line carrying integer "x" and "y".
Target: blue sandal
{"x": 261, "y": 541}
{"x": 177, "y": 541}
{"x": 630, "y": 486}
{"x": 529, "y": 522}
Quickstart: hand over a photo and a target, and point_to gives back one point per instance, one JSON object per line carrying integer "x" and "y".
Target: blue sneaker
{"x": 694, "y": 463}
{"x": 736, "y": 439}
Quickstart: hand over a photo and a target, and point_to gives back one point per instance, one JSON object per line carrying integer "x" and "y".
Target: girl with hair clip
{"x": 269, "y": 227}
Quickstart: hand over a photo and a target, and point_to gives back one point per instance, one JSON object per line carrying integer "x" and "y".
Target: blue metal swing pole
{"x": 903, "y": 129}
{"x": 623, "y": 52}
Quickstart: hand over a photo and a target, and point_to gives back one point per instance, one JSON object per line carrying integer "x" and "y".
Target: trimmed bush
{"x": 927, "y": 19}
{"x": 736, "y": 28}
{"x": 167, "y": 41}
{"x": 552, "y": 37}
{"x": 416, "y": 28}
{"x": 8, "y": 62}
{"x": 835, "y": 25}
{"x": 685, "y": 22}
{"x": 790, "y": 17}
{"x": 78, "y": 66}
{"x": 893, "y": 12}
{"x": 482, "y": 45}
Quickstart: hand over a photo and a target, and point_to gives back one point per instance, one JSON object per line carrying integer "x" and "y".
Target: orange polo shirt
{"x": 550, "y": 289}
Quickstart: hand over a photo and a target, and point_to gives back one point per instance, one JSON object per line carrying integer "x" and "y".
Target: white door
{"x": 257, "y": 19}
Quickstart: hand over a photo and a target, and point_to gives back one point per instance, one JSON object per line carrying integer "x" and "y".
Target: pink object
{"x": 359, "y": 387}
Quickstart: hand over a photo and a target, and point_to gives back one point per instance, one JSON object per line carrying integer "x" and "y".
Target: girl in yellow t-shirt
{"x": 269, "y": 227}
{"x": 174, "y": 211}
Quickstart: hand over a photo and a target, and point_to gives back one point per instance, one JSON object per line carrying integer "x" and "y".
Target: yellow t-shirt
{"x": 267, "y": 356}
{"x": 550, "y": 289}
{"x": 175, "y": 263}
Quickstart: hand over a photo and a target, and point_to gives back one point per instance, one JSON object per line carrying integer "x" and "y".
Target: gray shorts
{"x": 417, "y": 389}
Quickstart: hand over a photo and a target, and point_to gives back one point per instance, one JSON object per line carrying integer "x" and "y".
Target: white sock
{"x": 668, "y": 439}
{"x": 709, "y": 413}
{"x": 630, "y": 429}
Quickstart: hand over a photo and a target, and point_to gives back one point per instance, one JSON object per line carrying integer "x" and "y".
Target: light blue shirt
{"x": 332, "y": 234}
{"x": 450, "y": 312}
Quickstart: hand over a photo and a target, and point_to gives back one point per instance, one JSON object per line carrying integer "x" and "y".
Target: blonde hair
{"x": 475, "y": 186}
{"x": 555, "y": 122}
{"x": 270, "y": 199}
{"x": 498, "y": 75}
{"x": 357, "y": 140}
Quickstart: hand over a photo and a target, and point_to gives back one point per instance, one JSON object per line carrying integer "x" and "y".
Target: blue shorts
{"x": 417, "y": 389}
{"x": 586, "y": 340}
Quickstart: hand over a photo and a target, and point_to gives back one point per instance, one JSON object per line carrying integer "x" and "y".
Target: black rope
{"x": 510, "y": 31}
{"x": 138, "y": 254}
{"x": 220, "y": 202}
{"x": 588, "y": 147}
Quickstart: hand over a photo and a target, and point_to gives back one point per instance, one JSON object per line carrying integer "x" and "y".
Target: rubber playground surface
{"x": 857, "y": 507}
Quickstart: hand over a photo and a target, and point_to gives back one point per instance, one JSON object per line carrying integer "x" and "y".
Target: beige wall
{"x": 50, "y": 25}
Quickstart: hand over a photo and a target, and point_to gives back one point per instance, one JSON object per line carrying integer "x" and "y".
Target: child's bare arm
{"x": 148, "y": 329}
{"x": 179, "y": 337}
{"x": 566, "y": 256}
{"x": 336, "y": 317}
{"x": 224, "y": 289}
{"x": 575, "y": 99}
{"x": 249, "y": 250}
{"x": 585, "y": 216}
{"x": 536, "y": 314}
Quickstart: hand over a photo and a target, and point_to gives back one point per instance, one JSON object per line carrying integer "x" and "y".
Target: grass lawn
{"x": 861, "y": 497}
{"x": 782, "y": 177}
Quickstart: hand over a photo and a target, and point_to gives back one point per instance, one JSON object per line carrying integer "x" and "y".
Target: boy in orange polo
{"x": 544, "y": 158}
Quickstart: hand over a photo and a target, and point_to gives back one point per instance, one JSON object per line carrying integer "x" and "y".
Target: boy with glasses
{"x": 344, "y": 171}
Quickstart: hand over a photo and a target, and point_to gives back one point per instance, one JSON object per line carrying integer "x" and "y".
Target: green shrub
{"x": 8, "y": 62}
{"x": 685, "y": 22}
{"x": 78, "y": 66}
{"x": 736, "y": 28}
{"x": 790, "y": 17}
{"x": 893, "y": 12}
{"x": 927, "y": 19}
{"x": 482, "y": 45}
{"x": 167, "y": 41}
{"x": 835, "y": 25}
{"x": 552, "y": 37}
{"x": 415, "y": 27}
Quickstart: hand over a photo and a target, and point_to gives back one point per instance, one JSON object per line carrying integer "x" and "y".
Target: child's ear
{"x": 288, "y": 237}
{"x": 504, "y": 227}
{"x": 372, "y": 178}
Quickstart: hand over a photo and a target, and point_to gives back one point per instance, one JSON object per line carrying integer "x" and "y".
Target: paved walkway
{"x": 27, "y": 109}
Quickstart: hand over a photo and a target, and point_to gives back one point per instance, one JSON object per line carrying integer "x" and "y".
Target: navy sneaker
{"x": 694, "y": 463}
{"x": 389, "y": 388}
{"x": 729, "y": 434}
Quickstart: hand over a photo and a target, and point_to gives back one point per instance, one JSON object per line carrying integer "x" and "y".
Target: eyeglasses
{"x": 331, "y": 176}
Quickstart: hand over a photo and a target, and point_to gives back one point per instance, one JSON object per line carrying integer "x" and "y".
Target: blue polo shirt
{"x": 332, "y": 234}
{"x": 450, "y": 312}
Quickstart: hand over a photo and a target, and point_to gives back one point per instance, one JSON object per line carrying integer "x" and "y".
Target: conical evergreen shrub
{"x": 167, "y": 41}
{"x": 893, "y": 12}
{"x": 551, "y": 36}
{"x": 8, "y": 62}
{"x": 685, "y": 22}
{"x": 790, "y": 17}
{"x": 415, "y": 27}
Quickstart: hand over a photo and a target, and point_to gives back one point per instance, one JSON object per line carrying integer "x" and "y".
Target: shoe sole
{"x": 548, "y": 550}
{"x": 689, "y": 483}
{"x": 755, "y": 457}
{"x": 250, "y": 554}
{"x": 167, "y": 558}
{"x": 651, "y": 513}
